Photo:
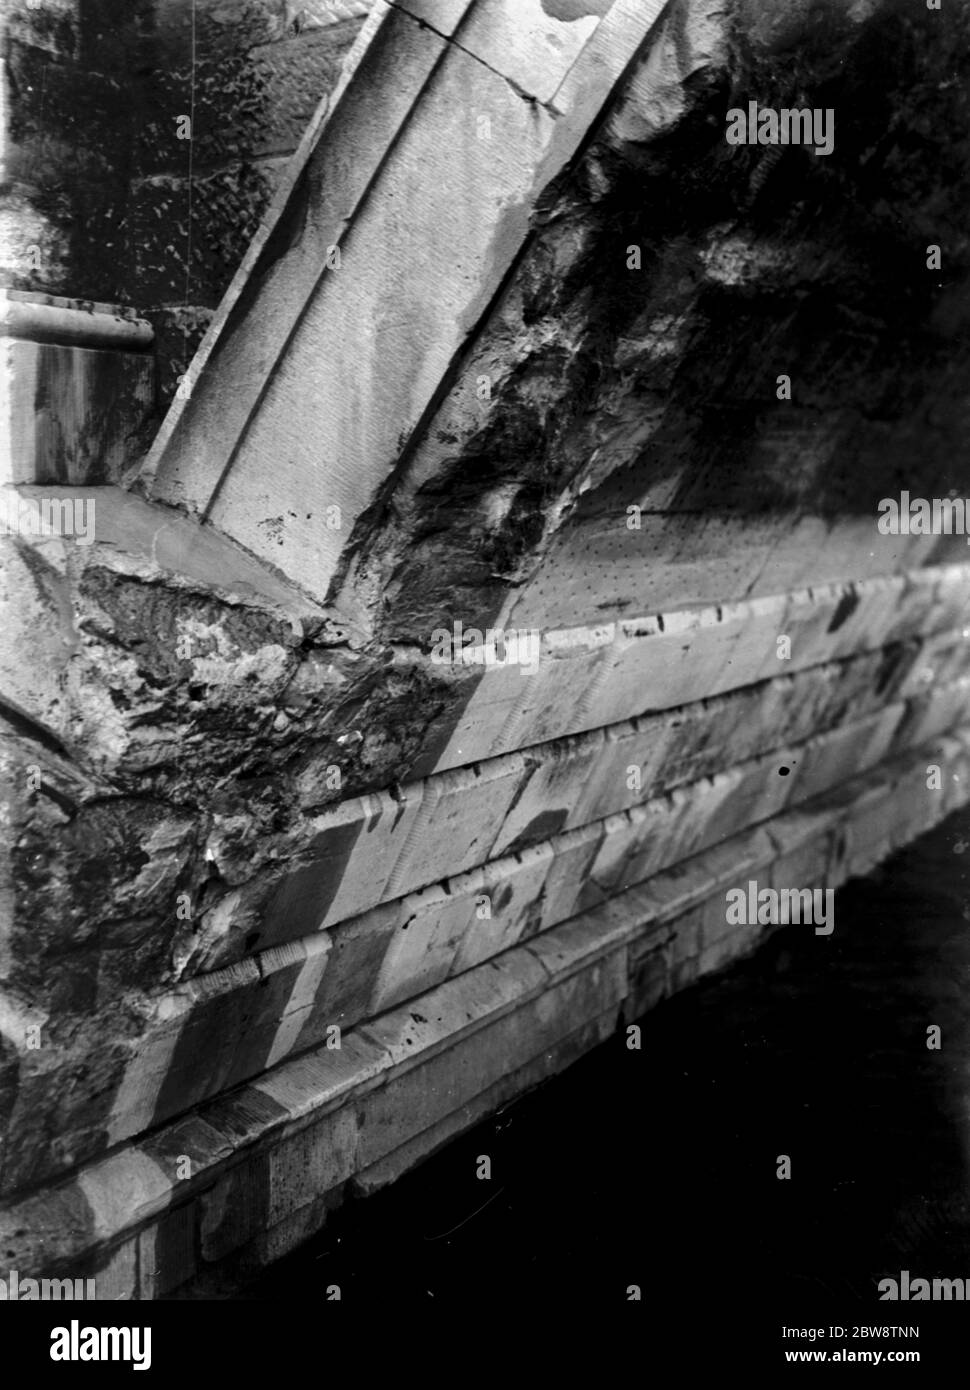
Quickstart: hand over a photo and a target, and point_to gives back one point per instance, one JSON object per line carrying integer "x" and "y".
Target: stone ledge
{"x": 381, "y": 846}
{"x": 149, "y": 542}
{"x": 590, "y": 677}
{"x": 585, "y": 679}
{"x": 261, "y": 1156}
{"x": 218, "y": 1029}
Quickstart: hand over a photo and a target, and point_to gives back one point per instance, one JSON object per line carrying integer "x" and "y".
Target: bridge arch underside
{"x": 487, "y": 615}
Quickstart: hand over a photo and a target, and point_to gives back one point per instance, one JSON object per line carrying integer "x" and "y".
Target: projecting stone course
{"x": 268, "y": 1160}
{"x": 294, "y": 899}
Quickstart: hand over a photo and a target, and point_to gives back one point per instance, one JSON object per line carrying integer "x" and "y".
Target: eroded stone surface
{"x": 186, "y": 709}
{"x": 657, "y": 387}
{"x": 96, "y": 201}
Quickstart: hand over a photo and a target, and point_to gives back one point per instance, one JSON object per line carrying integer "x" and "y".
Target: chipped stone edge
{"x": 124, "y": 1193}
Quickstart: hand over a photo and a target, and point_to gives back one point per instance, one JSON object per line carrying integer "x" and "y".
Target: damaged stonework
{"x": 271, "y": 1159}
{"x": 179, "y": 840}
{"x": 170, "y": 698}
{"x": 451, "y": 194}
{"x": 246, "y": 805}
{"x": 97, "y": 201}
{"x": 656, "y": 386}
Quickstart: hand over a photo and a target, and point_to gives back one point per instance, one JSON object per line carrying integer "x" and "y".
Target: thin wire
{"x": 188, "y": 250}
{"x": 179, "y": 692}
{"x": 465, "y": 1220}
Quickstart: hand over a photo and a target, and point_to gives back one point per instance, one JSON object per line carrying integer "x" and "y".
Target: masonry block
{"x": 77, "y": 415}
{"x": 318, "y": 1158}
{"x": 807, "y": 866}
{"x": 123, "y": 1189}
{"x": 744, "y": 854}
{"x": 429, "y": 1092}
{"x": 116, "y": 1277}
{"x": 510, "y": 709}
{"x": 555, "y": 792}
{"x": 527, "y": 42}
{"x": 415, "y": 1032}
{"x": 868, "y": 829}
{"x": 313, "y": 1084}
{"x": 233, "y": 1211}
{"x": 513, "y": 887}
{"x": 919, "y": 806}
{"x": 346, "y": 864}
{"x": 724, "y": 951}
{"x": 648, "y": 982}
{"x": 635, "y": 843}
{"x": 732, "y": 801}
{"x": 288, "y": 998}
{"x": 822, "y": 763}
{"x": 932, "y": 714}
{"x": 688, "y": 937}
{"x": 287, "y": 1235}
{"x": 37, "y": 614}
{"x": 569, "y": 886}
{"x": 513, "y": 1083}
{"x": 252, "y": 1016}
{"x": 497, "y": 138}
{"x": 166, "y": 1252}
{"x": 421, "y": 951}
{"x": 289, "y": 78}
{"x": 956, "y": 762}
{"x": 226, "y": 206}
{"x": 644, "y": 745}
{"x": 246, "y": 1113}
{"x": 354, "y": 966}
{"x": 188, "y": 1048}
{"x": 460, "y": 817}
{"x": 186, "y": 1149}
{"x": 267, "y": 1161}
{"x": 268, "y": 1025}
{"x": 600, "y": 935}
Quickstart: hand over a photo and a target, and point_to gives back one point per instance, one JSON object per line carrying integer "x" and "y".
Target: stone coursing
{"x": 252, "y": 1174}
{"x": 230, "y": 797}
{"x": 98, "y": 181}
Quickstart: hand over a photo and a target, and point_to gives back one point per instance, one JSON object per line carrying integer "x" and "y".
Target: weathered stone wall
{"x": 67, "y": 147}
{"x": 260, "y": 70}
{"x": 103, "y": 201}
{"x": 249, "y": 807}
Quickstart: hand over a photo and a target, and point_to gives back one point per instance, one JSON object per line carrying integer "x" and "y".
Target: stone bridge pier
{"x": 484, "y": 544}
